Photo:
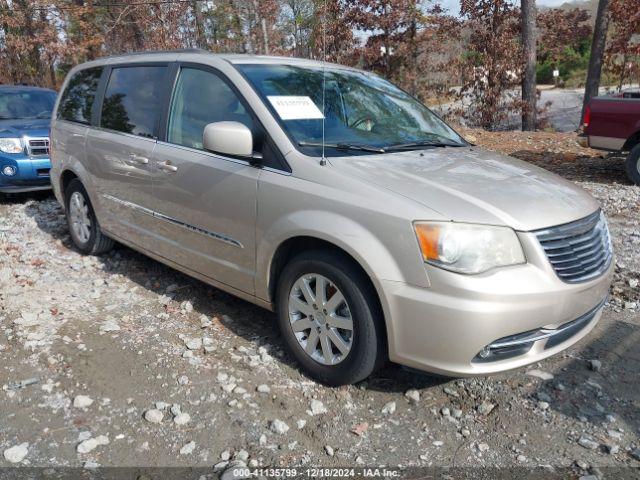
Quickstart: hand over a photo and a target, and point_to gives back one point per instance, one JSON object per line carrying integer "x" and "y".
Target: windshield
{"x": 26, "y": 104}
{"x": 363, "y": 112}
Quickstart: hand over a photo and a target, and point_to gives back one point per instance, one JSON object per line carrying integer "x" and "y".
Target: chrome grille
{"x": 38, "y": 147}
{"x": 580, "y": 250}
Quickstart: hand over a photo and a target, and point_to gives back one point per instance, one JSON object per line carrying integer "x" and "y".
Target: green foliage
{"x": 571, "y": 61}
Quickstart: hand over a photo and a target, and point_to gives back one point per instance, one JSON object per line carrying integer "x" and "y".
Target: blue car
{"x": 25, "y": 113}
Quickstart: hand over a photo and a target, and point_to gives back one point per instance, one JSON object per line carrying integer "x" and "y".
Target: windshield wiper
{"x": 421, "y": 143}
{"x": 343, "y": 146}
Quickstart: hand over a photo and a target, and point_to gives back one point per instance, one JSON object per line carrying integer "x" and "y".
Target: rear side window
{"x": 132, "y": 100}
{"x": 77, "y": 100}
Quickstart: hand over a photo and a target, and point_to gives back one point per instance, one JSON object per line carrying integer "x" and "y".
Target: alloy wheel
{"x": 320, "y": 319}
{"x": 79, "y": 216}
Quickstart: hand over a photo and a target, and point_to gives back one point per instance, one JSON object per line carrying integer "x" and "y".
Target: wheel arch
{"x": 295, "y": 245}
{"x": 66, "y": 177}
{"x": 632, "y": 141}
{"x": 68, "y": 174}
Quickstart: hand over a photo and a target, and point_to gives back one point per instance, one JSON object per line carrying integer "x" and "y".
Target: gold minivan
{"x": 334, "y": 198}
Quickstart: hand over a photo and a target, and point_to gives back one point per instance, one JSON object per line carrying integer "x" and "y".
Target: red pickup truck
{"x": 613, "y": 124}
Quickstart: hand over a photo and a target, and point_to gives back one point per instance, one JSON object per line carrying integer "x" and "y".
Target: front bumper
{"x": 444, "y": 328}
{"x": 32, "y": 174}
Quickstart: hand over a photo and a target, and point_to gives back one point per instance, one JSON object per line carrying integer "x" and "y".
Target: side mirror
{"x": 228, "y": 138}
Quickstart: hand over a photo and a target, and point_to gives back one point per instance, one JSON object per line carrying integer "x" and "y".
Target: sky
{"x": 454, "y": 5}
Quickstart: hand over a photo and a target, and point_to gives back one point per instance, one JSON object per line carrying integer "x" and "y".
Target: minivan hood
{"x": 468, "y": 184}
{"x": 31, "y": 127}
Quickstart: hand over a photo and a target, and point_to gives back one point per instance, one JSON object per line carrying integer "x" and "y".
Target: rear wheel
{"x": 329, "y": 317}
{"x": 633, "y": 165}
{"x": 83, "y": 224}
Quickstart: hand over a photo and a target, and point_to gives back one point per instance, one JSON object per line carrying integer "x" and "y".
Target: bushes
{"x": 572, "y": 62}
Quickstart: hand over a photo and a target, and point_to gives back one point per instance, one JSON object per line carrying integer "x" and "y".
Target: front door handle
{"x": 139, "y": 159}
{"x": 167, "y": 167}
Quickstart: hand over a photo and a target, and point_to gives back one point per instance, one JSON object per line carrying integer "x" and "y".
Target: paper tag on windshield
{"x": 295, "y": 108}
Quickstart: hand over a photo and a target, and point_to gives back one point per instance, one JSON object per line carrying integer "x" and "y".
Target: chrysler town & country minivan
{"x": 334, "y": 198}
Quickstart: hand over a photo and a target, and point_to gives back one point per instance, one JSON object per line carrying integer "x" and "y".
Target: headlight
{"x": 468, "y": 248}
{"x": 10, "y": 145}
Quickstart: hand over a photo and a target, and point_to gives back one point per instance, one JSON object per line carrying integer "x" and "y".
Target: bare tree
{"x": 528, "y": 15}
{"x": 597, "y": 53}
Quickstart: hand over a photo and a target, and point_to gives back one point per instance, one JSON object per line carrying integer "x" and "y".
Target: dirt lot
{"x": 127, "y": 362}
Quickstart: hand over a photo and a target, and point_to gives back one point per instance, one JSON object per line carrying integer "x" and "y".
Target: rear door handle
{"x": 167, "y": 167}
{"x": 139, "y": 159}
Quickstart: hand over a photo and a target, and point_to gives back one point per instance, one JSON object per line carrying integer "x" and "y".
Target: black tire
{"x": 97, "y": 242}
{"x": 368, "y": 350}
{"x": 633, "y": 165}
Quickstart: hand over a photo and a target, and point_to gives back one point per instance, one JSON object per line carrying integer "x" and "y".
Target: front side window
{"x": 353, "y": 108}
{"x": 26, "y": 104}
{"x": 132, "y": 100}
{"x": 77, "y": 100}
{"x": 201, "y": 98}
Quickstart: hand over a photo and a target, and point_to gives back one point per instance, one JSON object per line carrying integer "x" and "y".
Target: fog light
{"x": 485, "y": 352}
{"x": 9, "y": 171}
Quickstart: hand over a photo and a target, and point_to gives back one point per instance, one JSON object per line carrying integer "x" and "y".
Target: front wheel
{"x": 633, "y": 165}
{"x": 83, "y": 224}
{"x": 329, "y": 317}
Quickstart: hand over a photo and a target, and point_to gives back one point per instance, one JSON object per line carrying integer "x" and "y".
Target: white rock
{"x": 241, "y": 455}
{"x": 540, "y": 374}
{"x": 301, "y": 423}
{"x": 188, "y": 448}
{"x": 193, "y": 343}
{"x": 389, "y": 408}
{"x": 82, "y": 401}
{"x": 16, "y": 453}
{"x": 205, "y": 322}
{"x": 329, "y": 450}
{"x": 278, "y": 426}
{"x": 183, "y": 380}
{"x": 90, "y": 444}
{"x": 263, "y": 388}
{"x": 153, "y": 416}
{"x": 226, "y": 455}
{"x": 317, "y": 407}
{"x": 413, "y": 395}
{"x": 485, "y": 408}
{"x": 109, "y": 325}
{"x": 588, "y": 443}
{"x": 182, "y": 419}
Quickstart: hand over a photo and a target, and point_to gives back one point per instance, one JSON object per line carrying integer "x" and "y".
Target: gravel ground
{"x": 118, "y": 360}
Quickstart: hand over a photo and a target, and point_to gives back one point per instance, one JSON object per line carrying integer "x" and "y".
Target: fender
{"x": 352, "y": 237}
{"x": 79, "y": 171}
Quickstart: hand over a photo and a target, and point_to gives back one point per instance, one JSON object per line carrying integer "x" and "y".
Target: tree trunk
{"x": 201, "y": 41}
{"x": 265, "y": 35}
{"x": 622, "y": 72}
{"x": 529, "y": 53}
{"x": 597, "y": 53}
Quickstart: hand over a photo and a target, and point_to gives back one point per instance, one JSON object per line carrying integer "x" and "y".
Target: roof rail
{"x": 149, "y": 52}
